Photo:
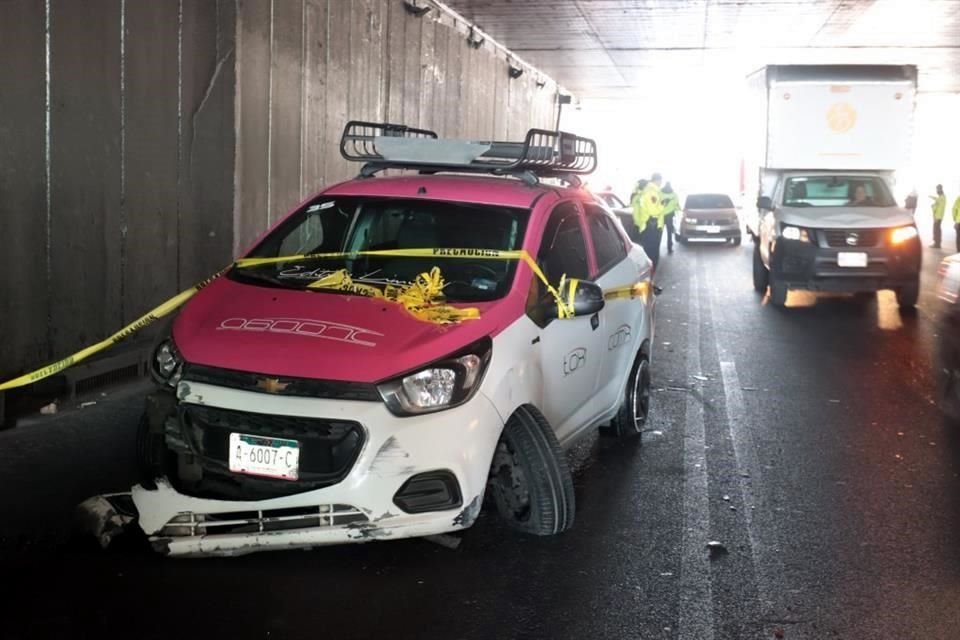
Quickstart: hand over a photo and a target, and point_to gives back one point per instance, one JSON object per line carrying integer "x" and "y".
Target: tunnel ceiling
{"x": 635, "y": 48}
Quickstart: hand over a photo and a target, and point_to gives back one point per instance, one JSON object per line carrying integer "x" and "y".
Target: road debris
{"x": 716, "y": 549}
{"x": 701, "y": 378}
{"x": 49, "y": 410}
{"x": 84, "y": 405}
{"x": 726, "y": 498}
{"x": 778, "y": 633}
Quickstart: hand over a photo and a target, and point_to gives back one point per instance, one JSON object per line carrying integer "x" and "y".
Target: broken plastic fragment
{"x": 716, "y": 549}
{"x": 84, "y": 405}
{"x": 700, "y": 378}
{"x": 49, "y": 409}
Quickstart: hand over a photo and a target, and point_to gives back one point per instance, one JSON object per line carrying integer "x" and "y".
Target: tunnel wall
{"x": 116, "y": 164}
{"x": 142, "y": 144}
{"x": 307, "y": 66}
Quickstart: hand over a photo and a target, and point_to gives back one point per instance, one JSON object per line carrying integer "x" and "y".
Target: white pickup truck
{"x": 825, "y": 165}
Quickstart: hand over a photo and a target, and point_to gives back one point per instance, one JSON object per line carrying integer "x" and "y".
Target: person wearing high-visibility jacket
{"x": 671, "y": 204}
{"x": 939, "y": 207}
{"x": 956, "y": 220}
{"x": 648, "y": 215}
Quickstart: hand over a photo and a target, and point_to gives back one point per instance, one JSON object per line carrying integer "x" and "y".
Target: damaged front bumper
{"x": 384, "y": 495}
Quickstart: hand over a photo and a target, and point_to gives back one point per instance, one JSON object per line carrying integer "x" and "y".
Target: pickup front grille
{"x": 840, "y": 238}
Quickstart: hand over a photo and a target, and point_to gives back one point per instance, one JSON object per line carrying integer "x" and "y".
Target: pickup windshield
{"x": 351, "y": 225}
{"x": 837, "y": 191}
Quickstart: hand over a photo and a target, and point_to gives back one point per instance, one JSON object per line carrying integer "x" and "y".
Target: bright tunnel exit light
{"x": 688, "y": 132}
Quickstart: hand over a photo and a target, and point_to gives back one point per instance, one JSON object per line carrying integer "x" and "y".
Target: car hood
{"x": 320, "y": 335}
{"x": 845, "y": 217}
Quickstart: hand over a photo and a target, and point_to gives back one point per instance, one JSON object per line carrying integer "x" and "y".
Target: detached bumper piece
{"x": 815, "y": 265}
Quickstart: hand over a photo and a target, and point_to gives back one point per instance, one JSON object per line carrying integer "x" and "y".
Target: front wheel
{"x": 761, "y": 276}
{"x": 529, "y": 479}
{"x": 907, "y": 295}
{"x": 737, "y": 240}
{"x": 778, "y": 293}
{"x": 635, "y": 407}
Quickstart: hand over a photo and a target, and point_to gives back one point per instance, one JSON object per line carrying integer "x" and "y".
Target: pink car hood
{"x": 330, "y": 336}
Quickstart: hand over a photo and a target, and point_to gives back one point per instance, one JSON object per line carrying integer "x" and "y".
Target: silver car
{"x": 709, "y": 216}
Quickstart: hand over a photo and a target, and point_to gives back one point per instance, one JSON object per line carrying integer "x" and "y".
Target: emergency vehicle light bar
{"x": 392, "y": 146}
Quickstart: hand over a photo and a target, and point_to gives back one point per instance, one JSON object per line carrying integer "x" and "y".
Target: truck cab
{"x": 837, "y": 232}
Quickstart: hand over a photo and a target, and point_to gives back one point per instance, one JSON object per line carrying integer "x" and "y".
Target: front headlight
{"x": 690, "y": 220}
{"x": 794, "y": 233}
{"x": 444, "y": 384}
{"x": 166, "y": 365}
{"x": 901, "y": 235}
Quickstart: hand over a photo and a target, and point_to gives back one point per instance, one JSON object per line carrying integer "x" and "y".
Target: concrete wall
{"x": 306, "y": 67}
{"x": 116, "y": 164}
{"x": 144, "y": 143}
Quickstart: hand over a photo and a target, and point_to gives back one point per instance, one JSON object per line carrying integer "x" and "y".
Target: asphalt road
{"x": 805, "y": 441}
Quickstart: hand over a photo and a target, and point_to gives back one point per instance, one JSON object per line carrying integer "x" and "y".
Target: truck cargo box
{"x": 832, "y": 117}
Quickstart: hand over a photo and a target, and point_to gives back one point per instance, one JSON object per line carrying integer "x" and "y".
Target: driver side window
{"x": 563, "y": 252}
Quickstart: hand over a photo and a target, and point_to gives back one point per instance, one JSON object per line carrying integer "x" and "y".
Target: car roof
{"x": 507, "y": 192}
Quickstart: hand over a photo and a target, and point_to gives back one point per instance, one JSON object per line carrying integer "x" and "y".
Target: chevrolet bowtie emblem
{"x": 271, "y": 385}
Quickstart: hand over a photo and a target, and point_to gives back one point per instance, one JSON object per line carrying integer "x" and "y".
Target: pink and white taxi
{"x": 398, "y": 348}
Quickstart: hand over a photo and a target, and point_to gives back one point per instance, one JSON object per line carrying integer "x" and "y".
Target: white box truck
{"x": 824, "y": 144}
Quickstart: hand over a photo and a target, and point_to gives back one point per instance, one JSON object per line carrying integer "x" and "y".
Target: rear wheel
{"x": 761, "y": 277}
{"x": 635, "y": 407}
{"x": 529, "y": 479}
{"x": 907, "y": 295}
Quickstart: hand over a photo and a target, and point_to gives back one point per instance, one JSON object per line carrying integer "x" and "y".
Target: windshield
{"x": 837, "y": 191}
{"x": 350, "y": 225}
{"x": 612, "y": 200}
{"x": 708, "y": 201}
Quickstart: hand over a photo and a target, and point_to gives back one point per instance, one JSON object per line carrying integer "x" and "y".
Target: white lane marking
{"x": 768, "y": 568}
{"x": 696, "y": 592}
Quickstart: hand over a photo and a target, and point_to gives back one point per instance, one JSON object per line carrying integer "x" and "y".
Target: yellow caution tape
{"x": 143, "y": 321}
{"x": 420, "y": 298}
{"x": 423, "y": 298}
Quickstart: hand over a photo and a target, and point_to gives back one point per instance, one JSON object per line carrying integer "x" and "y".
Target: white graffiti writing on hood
{"x": 307, "y": 328}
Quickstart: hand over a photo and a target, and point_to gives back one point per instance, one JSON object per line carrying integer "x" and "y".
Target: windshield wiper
{"x": 259, "y": 276}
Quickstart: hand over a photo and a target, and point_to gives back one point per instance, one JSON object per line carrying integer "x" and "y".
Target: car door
{"x": 570, "y": 350}
{"x": 621, "y": 317}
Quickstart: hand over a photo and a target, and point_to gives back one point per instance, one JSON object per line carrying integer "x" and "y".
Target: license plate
{"x": 710, "y": 229}
{"x": 848, "y": 259}
{"x": 266, "y": 457}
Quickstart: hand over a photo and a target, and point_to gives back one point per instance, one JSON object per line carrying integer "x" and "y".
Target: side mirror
{"x": 587, "y": 296}
{"x": 764, "y": 203}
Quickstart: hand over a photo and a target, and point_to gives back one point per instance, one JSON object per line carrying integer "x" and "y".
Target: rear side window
{"x": 607, "y": 241}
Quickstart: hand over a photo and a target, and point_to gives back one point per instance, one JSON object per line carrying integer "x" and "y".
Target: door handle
{"x": 595, "y": 321}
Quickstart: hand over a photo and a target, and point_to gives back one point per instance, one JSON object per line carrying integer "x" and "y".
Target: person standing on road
{"x": 648, "y": 214}
{"x": 671, "y": 204}
{"x": 939, "y": 207}
{"x": 956, "y": 220}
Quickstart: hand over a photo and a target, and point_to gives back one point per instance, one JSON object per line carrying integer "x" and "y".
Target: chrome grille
{"x": 851, "y": 237}
{"x": 315, "y": 517}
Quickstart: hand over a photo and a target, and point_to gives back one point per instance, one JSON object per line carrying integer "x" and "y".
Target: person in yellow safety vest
{"x": 956, "y": 220}
{"x": 939, "y": 207}
{"x": 635, "y": 206}
{"x": 648, "y": 215}
{"x": 671, "y": 204}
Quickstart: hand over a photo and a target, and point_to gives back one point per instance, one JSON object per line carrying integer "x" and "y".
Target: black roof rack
{"x": 542, "y": 154}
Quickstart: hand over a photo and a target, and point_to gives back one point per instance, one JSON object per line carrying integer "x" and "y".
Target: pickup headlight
{"x": 444, "y": 384}
{"x": 789, "y": 232}
{"x": 902, "y": 234}
{"x": 166, "y": 364}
